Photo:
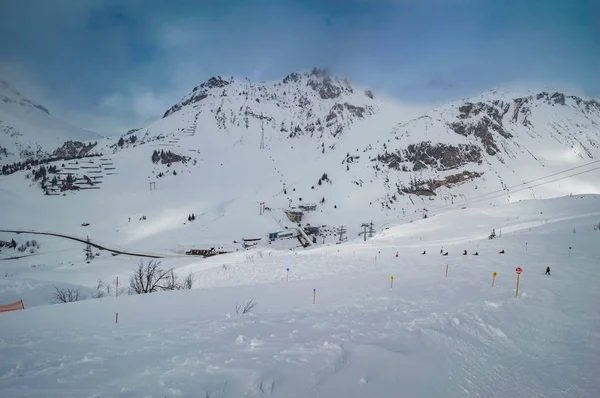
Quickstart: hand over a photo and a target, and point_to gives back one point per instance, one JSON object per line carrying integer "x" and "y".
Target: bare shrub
{"x": 188, "y": 282}
{"x": 104, "y": 289}
{"x": 150, "y": 278}
{"x": 171, "y": 281}
{"x": 101, "y": 290}
{"x": 66, "y": 295}
{"x": 246, "y": 309}
{"x": 597, "y": 227}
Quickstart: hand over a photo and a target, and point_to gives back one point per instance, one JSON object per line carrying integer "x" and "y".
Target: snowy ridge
{"x": 29, "y": 131}
{"x": 308, "y": 138}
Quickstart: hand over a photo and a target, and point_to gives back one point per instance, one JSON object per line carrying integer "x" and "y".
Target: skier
{"x": 476, "y": 254}
{"x": 464, "y": 253}
{"x": 547, "y": 271}
{"x": 396, "y": 254}
{"x": 423, "y": 252}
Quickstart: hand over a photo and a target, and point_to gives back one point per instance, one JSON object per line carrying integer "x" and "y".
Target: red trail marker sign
{"x": 518, "y": 270}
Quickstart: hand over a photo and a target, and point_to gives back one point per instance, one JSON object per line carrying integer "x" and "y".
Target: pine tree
{"x": 155, "y": 156}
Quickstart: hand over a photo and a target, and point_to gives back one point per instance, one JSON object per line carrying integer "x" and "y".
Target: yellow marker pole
{"x": 494, "y": 277}
{"x": 517, "y": 295}
{"x": 314, "y": 295}
{"x": 391, "y": 282}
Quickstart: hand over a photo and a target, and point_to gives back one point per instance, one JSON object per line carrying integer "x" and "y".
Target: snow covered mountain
{"x": 309, "y": 143}
{"x": 251, "y": 172}
{"x": 29, "y": 131}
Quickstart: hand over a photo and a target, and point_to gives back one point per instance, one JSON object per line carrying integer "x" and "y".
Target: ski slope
{"x": 429, "y": 335}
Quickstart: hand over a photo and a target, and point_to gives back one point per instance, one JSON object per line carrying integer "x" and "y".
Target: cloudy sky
{"x": 109, "y": 65}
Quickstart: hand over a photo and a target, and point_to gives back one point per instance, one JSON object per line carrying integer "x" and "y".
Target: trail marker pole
{"x": 314, "y": 295}
{"x": 518, "y": 270}
{"x": 525, "y": 246}
{"x": 494, "y": 274}
{"x": 391, "y": 282}
{"x": 287, "y": 274}
{"x": 117, "y": 318}
{"x": 117, "y": 292}
{"x": 446, "y": 270}
{"x": 569, "y": 251}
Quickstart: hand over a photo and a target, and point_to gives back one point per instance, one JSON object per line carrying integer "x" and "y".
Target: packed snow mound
{"x": 332, "y": 322}
{"x": 29, "y": 131}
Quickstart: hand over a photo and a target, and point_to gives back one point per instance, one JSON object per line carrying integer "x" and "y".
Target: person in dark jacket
{"x": 547, "y": 271}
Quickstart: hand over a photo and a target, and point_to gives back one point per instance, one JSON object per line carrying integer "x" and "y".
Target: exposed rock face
{"x": 490, "y": 122}
{"x": 198, "y": 93}
{"x": 313, "y": 103}
{"x": 73, "y": 149}
{"x": 436, "y": 156}
{"x": 486, "y": 120}
{"x": 422, "y": 187}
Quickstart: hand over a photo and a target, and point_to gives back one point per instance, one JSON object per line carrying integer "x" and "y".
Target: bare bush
{"x": 104, "y": 289}
{"x": 66, "y": 295}
{"x": 188, "y": 282}
{"x": 597, "y": 227}
{"x": 171, "y": 281}
{"x": 101, "y": 290}
{"x": 246, "y": 309}
{"x": 150, "y": 278}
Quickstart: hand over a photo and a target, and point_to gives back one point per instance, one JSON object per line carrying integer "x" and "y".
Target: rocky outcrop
{"x": 435, "y": 156}
{"x": 198, "y": 94}
{"x": 307, "y": 104}
{"x": 73, "y": 149}
{"x": 422, "y": 187}
{"x": 482, "y": 120}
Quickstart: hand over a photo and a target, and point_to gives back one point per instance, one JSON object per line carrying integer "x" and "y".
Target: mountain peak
{"x": 317, "y": 82}
{"x": 10, "y": 95}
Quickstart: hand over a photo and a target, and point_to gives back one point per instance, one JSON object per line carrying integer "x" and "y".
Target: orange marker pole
{"x": 117, "y": 318}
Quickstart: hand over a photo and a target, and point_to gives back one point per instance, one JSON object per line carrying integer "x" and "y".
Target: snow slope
{"x": 430, "y": 335}
{"x": 384, "y": 162}
{"x": 28, "y": 130}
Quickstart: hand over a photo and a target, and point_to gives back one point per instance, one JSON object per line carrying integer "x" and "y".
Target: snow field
{"x": 428, "y": 336}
